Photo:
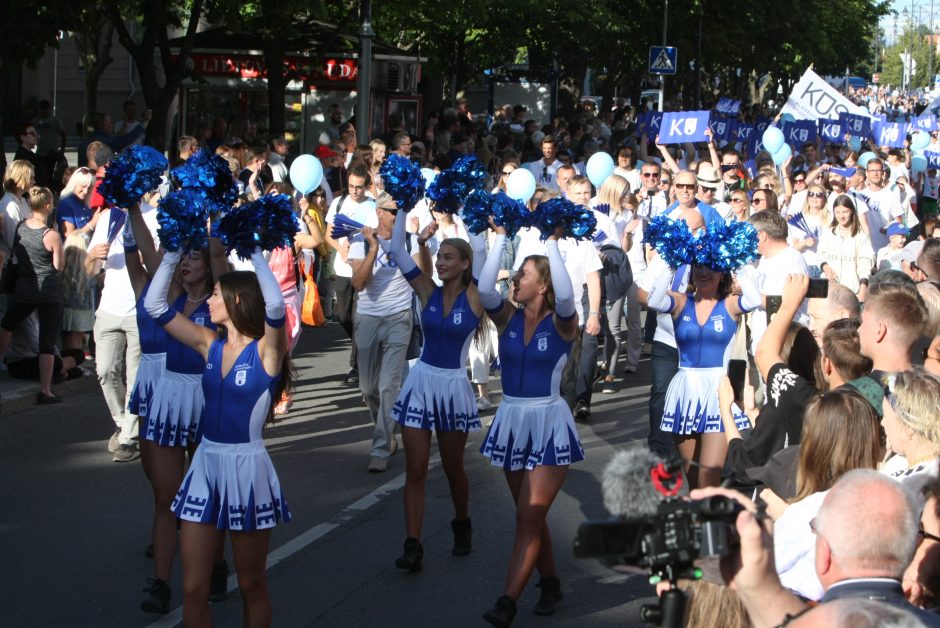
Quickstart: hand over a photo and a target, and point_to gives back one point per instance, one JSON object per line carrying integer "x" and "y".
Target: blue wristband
{"x": 166, "y": 317}
{"x": 276, "y": 323}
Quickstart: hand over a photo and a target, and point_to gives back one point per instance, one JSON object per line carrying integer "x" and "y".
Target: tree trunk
{"x": 277, "y": 86}
{"x": 159, "y": 97}
{"x": 94, "y": 49}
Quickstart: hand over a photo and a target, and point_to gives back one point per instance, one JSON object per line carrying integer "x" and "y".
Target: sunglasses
{"x": 816, "y": 194}
{"x": 664, "y": 181}
{"x": 738, "y": 200}
{"x": 647, "y": 175}
{"x": 927, "y": 535}
{"x": 506, "y": 174}
{"x": 795, "y": 181}
{"x": 685, "y": 186}
{"x": 758, "y": 200}
{"x": 729, "y": 167}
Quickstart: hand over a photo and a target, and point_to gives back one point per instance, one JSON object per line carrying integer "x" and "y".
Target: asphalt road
{"x": 74, "y": 525}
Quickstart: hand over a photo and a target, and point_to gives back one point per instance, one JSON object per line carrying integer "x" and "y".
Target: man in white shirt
{"x": 545, "y": 169}
{"x": 117, "y": 341}
{"x": 383, "y": 324}
{"x": 653, "y": 201}
{"x": 356, "y": 206}
{"x": 883, "y": 204}
{"x": 778, "y": 260}
{"x": 276, "y": 157}
{"x": 129, "y": 122}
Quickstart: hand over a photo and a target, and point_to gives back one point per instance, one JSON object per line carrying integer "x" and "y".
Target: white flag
{"x": 813, "y": 98}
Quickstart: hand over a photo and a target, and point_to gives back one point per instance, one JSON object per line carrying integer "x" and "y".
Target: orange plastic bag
{"x": 312, "y": 312}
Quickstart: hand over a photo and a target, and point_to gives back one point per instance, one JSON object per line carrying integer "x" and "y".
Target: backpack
{"x": 617, "y": 273}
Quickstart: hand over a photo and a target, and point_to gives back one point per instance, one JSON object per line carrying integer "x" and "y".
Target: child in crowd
{"x": 889, "y": 257}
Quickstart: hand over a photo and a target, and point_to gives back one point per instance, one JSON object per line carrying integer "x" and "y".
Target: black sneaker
{"x": 412, "y": 556}
{"x": 503, "y": 613}
{"x": 581, "y": 410}
{"x": 157, "y": 598}
{"x": 218, "y": 587}
{"x": 463, "y": 535}
{"x": 551, "y": 594}
{"x": 352, "y": 377}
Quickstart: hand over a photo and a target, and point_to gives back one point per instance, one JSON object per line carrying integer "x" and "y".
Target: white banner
{"x": 813, "y": 98}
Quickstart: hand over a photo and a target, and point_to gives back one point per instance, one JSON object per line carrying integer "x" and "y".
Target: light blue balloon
{"x": 599, "y": 167}
{"x": 772, "y": 139}
{"x": 918, "y": 163}
{"x": 919, "y": 141}
{"x": 855, "y": 143}
{"x": 429, "y": 176}
{"x": 782, "y": 154}
{"x": 788, "y": 117}
{"x": 520, "y": 185}
{"x": 865, "y": 157}
{"x": 306, "y": 173}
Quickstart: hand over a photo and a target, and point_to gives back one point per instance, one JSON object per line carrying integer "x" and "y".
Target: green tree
{"x": 93, "y": 35}
{"x": 154, "y": 19}
{"x": 892, "y": 68}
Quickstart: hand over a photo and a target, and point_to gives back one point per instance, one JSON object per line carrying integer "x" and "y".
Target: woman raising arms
{"x": 534, "y": 342}
{"x": 437, "y": 395}
{"x": 231, "y": 484}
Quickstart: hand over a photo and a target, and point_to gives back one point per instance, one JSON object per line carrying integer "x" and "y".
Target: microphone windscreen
{"x": 626, "y": 484}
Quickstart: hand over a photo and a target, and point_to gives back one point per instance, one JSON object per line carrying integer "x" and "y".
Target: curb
{"x": 23, "y": 396}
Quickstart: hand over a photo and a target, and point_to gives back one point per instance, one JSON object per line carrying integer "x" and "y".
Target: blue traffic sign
{"x": 663, "y": 59}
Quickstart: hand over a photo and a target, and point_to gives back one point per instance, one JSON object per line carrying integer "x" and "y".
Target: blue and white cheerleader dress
{"x": 436, "y": 394}
{"x": 177, "y": 403}
{"x": 704, "y": 350}
{"x": 153, "y": 340}
{"x": 533, "y": 425}
{"x": 231, "y": 482}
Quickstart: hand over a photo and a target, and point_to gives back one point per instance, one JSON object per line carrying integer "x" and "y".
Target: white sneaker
{"x": 483, "y": 404}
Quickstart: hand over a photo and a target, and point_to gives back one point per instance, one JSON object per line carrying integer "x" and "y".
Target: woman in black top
{"x": 39, "y": 258}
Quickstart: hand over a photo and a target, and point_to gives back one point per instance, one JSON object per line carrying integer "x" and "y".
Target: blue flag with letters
{"x": 683, "y": 126}
{"x": 859, "y": 126}
{"x": 798, "y": 132}
{"x": 890, "y": 134}
{"x": 728, "y": 105}
{"x": 831, "y": 130}
{"x": 721, "y": 128}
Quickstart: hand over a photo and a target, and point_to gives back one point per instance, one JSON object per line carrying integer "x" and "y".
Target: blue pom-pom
{"x": 726, "y": 247}
{"x": 672, "y": 239}
{"x": 268, "y": 223}
{"x": 183, "y": 217}
{"x": 131, "y": 174}
{"x": 577, "y": 221}
{"x": 451, "y": 188}
{"x": 477, "y": 211}
{"x": 210, "y": 173}
{"x": 403, "y": 180}
{"x": 509, "y": 213}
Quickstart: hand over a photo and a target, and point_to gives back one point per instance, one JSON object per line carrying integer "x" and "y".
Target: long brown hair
{"x": 466, "y": 279}
{"x": 841, "y": 432}
{"x": 544, "y": 271}
{"x": 244, "y": 303}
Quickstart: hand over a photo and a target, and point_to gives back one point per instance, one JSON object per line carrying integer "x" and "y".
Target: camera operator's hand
{"x": 750, "y": 571}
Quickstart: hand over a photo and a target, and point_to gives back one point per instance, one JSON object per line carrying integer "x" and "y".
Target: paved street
{"x": 74, "y": 525}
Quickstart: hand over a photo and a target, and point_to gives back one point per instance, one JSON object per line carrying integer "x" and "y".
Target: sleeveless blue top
{"x": 532, "y": 370}
{"x": 179, "y": 357}
{"x": 153, "y": 338}
{"x": 236, "y": 405}
{"x": 442, "y": 335}
{"x": 708, "y": 345}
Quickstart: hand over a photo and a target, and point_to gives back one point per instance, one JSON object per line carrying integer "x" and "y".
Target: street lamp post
{"x": 364, "y": 84}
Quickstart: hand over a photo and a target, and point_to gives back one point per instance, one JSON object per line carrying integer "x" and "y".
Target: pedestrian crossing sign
{"x": 662, "y": 60}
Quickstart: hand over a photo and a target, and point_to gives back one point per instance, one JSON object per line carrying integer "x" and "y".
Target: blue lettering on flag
{"x": 683, "y": 126}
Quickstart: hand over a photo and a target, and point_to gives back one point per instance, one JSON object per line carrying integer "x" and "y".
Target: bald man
{"x": 841, "y": 303}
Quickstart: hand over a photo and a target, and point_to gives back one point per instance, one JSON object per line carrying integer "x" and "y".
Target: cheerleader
{"x": 231, "y": 484}
{"x": 533, "y": 437}
{"x": 705, "y": 321}
{"x": 437, "y": 395}
{"x": 168, "y": 396}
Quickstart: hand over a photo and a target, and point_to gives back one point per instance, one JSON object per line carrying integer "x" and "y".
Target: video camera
{"x": 656, "y": 530}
